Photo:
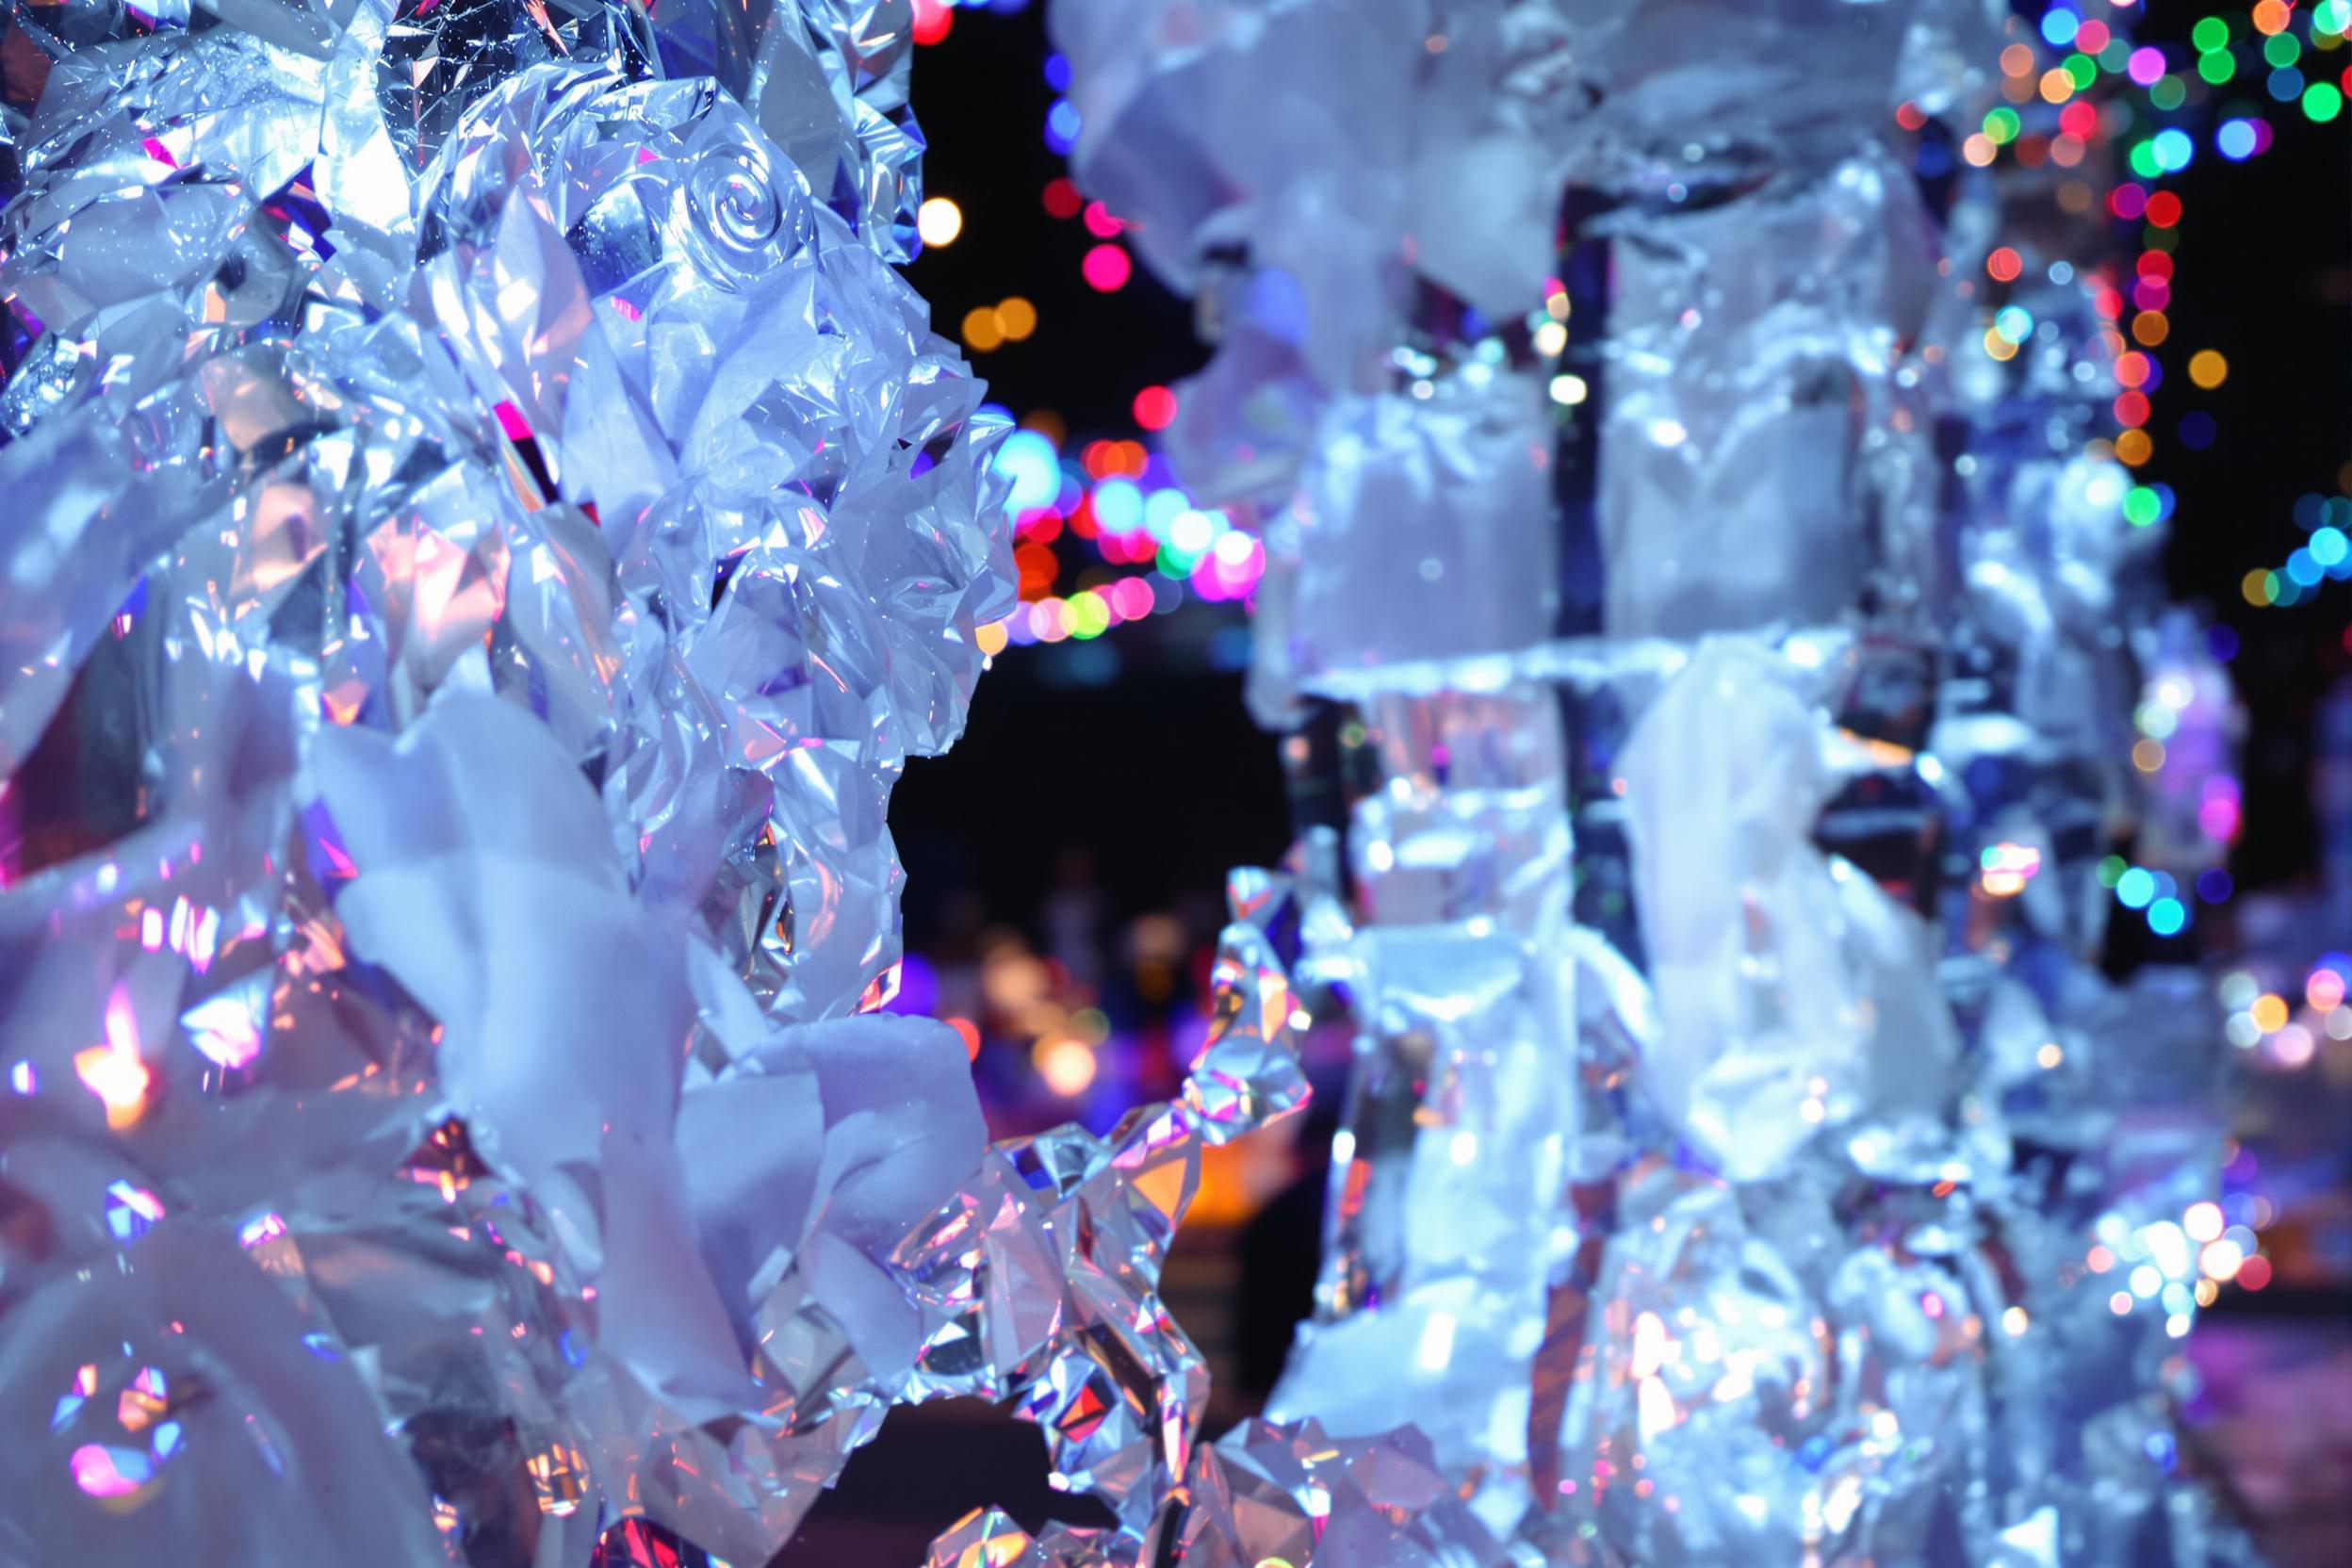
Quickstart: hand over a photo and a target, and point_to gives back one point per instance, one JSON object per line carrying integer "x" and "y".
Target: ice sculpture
{"x": 483, "y": 525}
{"x": 1701, "y": 657}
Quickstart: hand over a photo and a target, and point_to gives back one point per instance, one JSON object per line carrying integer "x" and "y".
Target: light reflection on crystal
{"x": 120, "y": 1479}
{"x": 130, "y": 1210}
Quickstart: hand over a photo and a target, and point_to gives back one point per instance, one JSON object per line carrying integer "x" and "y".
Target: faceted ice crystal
{"x": 1039, "y": 1282}
{"x": 484, "y": 528}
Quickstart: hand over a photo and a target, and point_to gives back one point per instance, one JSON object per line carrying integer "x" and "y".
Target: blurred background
{"x": 1065, "y": 862}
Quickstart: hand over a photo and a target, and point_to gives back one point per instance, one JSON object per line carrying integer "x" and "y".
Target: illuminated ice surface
{"x": 483, "y": 527}
{"x": 1707, "y": 667}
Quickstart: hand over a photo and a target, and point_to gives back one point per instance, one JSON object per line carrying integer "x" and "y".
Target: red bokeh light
{"x": 1038, "y": 568}
{"x": 1155, "y": 408}
{"x": 1106, "y": 268}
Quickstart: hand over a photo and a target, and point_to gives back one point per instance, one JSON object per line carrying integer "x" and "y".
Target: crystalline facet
{"x": 483, "y": 537}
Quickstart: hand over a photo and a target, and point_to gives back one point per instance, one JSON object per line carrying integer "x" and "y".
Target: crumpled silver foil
{"x": 483, "y": 528}
{"x": 1740, "y": 1162}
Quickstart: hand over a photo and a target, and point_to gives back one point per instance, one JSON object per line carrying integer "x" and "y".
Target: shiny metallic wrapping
{"x": 483, "y": 528}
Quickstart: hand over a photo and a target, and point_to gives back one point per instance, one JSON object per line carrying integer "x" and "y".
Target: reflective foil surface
{"x": 483, "y": 528}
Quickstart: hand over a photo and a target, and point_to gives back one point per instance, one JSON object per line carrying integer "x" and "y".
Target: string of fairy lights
{"x": 1151, "y": 547}
{"x": 2245, "y": 73}
{"x": 2071, "y": 82}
